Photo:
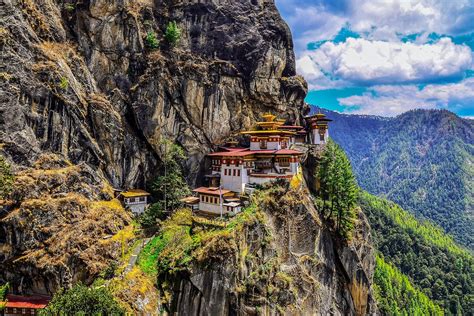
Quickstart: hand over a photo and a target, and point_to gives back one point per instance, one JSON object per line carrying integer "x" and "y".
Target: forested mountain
{"x": 422, "y": 159}
{"x": 433, "y": 262}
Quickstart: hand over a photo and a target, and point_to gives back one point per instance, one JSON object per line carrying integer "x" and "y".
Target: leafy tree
{"x": 337, "y": 188}
{"x": 173, "y": 33}
{"x": 170, "y": 186}
{"x": 151, "y": 40}
{"x": 6, "y": 178}
{"x": 81, "y": 300}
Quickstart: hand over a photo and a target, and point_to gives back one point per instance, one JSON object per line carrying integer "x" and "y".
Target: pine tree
{"x": 173, "y": 33}
{"x": 338, "y": 189}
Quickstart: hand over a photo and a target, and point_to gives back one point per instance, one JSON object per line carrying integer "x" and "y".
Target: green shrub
{"x": 64, "y": 83}
{"x": 6, "y": 178}
{"x": 69, "y": 7}
{"x": 151, "y": 40}
{"x": 173, "y": 33}
{"x": 4, "y": 290}
{"x": 81, "y": 300}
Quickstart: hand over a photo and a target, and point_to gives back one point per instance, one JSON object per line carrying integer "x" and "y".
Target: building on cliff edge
{"x": 236, "y": 171}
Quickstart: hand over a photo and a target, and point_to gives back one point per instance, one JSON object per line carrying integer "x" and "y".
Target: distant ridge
{"x": 421, "y": 159}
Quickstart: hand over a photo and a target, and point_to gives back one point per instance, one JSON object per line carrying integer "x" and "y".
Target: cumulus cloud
{"x": 401, "y": 45}
{"x": 366, "y": 62}
{"x": 391, "y": 100}
{"x": 313, "y": 20}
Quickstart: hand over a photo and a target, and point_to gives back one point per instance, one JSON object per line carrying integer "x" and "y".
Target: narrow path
{"x": 133, "y": 258}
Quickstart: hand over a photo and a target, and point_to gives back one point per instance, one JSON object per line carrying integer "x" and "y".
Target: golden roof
{"x": 269, "y": 117}
{"x": 273, "y": 131}
{"x": 134, "y": 193}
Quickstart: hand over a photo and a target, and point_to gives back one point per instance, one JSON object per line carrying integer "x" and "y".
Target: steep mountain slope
{"x": 276, "y": 257}
{"x": 56, "y": 228}
{"x": 434, "y": 263}
{"x": 79, "y": 78}
{"x": 422, "y": 160}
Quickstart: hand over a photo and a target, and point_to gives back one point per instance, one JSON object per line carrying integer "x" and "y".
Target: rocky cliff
{"x": 78, "y": 78}
{"x": 276, "y": 258}
{"x": 56, "y": 229}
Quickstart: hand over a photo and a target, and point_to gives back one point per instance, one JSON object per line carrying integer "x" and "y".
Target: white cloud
{"x": 362, "y": 61}
{"x": 388, "y": 100}
{"x": 312, "y": 24}
{"x": 313, "y": 20}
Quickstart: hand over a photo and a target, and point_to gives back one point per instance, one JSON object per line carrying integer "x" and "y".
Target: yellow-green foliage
{"x": 136, "y": 286}
{"x": 6, "y": 178}
{"x": 396, "y": 295}
{"x": 183, "y": 240}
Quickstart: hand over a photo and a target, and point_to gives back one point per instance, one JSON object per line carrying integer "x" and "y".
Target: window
{"x": 233, "y": 173}
{"x": 321, "y": 137}
{"x": 238, "y": 173}
{"x": 131, "y": 200}
{"x": 283, "y": 144}
{"x": 202, "y": 198}
{"x": 263, "y": 144}
{"x": 142, "y": 199}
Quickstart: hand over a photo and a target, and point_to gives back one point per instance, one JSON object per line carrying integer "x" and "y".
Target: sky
{"x": 385, "y": 57}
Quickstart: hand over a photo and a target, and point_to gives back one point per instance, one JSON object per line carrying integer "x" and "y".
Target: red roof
{"x": 211, "y": 191}
{"x": 234, "y": 149}
{"x": 231, "y": 153}
{"x": 264, "y": 151}
{"x": 35, "y": 302}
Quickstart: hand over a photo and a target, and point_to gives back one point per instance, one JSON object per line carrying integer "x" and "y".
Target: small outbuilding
{"x": 24, "y": 305}
{"x": 135, "y": 200}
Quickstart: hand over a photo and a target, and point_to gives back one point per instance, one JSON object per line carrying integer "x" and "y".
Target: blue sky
{"x": 385, "y": 57}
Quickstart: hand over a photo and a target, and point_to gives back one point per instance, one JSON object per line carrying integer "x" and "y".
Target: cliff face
{"x": 56, "y": 229}
{"x": 78, "y": 78}
{"x": 282, "y": 260}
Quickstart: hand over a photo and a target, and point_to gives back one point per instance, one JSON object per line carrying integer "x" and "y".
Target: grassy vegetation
{"x": 183, "y": 240}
